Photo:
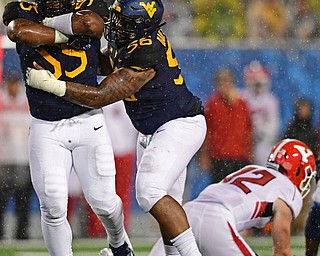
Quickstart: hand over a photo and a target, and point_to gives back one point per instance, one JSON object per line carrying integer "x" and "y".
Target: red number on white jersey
{"x": 263, "y": 177}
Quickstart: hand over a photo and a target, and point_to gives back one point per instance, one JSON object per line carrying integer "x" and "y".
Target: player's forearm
{"x": 85, "y": 23}
{"x": 281, "y": 236}
{"x": 281, "y": 243}
{"x": 119, "y": 85}
{"x": 281, "y": 252}
{"x": 282, "y": 218}
{"x": 25, "y": 31}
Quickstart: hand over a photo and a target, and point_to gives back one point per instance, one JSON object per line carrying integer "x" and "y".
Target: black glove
{"x": 79, "y": 42}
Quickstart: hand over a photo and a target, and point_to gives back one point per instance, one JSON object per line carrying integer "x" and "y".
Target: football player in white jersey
{"x": 252, "y": 197}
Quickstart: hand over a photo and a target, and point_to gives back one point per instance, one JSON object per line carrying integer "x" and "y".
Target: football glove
{"x": 79, "y": 42}
{"x": 44, "y": 80}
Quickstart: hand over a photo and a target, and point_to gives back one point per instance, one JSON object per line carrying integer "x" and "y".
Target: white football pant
{"x": 162, "y": 164}
{"x": 81, "y": 142}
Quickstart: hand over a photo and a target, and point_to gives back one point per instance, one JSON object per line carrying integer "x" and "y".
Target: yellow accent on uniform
{"x": 150, "y": 9}
{"x": 54, "y": 62}
{"x": 179, "y": 80}
{"x": 75, "y": 53}
{"x": 131, "y": 98}
{"x": 138, "y": 68}
{"x": 116, "y": 8}
{"x": 29, "y": 7}
{"x": 161, "y": 37}
{"x": 79, "y": 3}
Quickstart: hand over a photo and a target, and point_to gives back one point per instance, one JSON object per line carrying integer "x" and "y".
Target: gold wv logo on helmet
{"x": 149, "y": 7}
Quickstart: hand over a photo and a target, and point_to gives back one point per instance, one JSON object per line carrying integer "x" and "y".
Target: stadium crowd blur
{"x": 227, "y": 21}
{"x": 255, "y": 23}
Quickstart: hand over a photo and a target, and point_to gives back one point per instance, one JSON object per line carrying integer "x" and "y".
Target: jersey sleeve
{"x": 143, "y": 55}
{"x": 15, "y": 10}
{"x": 292, "y": 197}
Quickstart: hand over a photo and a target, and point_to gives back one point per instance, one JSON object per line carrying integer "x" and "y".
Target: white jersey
{"x": 243, "y": 200}
{"x": 249, "y": 195}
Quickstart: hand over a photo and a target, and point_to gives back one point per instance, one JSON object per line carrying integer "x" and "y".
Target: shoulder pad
{"x": 98, "y": 6}
{"x": 143, "y": 56}
{"x": 15, "y": 10}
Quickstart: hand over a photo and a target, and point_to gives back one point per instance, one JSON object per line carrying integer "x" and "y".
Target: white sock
{"x": 171, "y": 250}
{"x": 114, "y": 225}
{"x": 186, "y": 243}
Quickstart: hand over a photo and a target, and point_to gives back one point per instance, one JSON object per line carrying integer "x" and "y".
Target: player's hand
{"x": 44, "y": 80}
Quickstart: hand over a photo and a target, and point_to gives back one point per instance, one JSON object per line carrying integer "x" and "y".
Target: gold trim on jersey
{"x": 29, "y": 7}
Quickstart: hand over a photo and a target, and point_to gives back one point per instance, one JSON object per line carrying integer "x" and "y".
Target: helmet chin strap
{"x": 162, "y": 24}
{"x": 273, "y": 165}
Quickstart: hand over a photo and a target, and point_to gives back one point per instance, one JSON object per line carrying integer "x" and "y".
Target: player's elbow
{"x": 96, "y": 27}
{"x": 88, "y": 23}
{"x": 15, "y": 33}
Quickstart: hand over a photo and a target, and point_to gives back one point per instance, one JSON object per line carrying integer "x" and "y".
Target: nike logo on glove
{"x": 97, "y": 128}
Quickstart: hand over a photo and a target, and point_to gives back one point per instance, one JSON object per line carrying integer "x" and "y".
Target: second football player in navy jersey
{"x": 164, "y": 98}
{"x": 63, "y": 61}
{"x": 62, "y": 134}
{"x": 168, "y": 116}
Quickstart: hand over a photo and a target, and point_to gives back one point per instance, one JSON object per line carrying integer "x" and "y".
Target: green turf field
{"x": 91, "y": 247}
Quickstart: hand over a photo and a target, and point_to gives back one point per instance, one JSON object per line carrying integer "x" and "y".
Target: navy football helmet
{"x": 50, "y": 8}
{"x": 133, "y": 19}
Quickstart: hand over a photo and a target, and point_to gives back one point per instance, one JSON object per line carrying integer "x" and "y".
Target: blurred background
{"x": 283, "y": 37}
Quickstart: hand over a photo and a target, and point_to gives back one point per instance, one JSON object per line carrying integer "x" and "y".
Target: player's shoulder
{"x": 98, "y": 6}
{"x": 144, "y": 52}
{"x": 19, "y": 9}
{"x": 283, "y": 185}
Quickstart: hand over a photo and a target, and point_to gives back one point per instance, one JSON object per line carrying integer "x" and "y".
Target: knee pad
{"x": 155, "y": 177}
{"x": 312, "y": 229}
{"x": 55, "y": 215}
{"x": 113, "y": 218}
{"x": 148, "y": 196}
{"x": 107, "y": 208}
{"x": 53, "y": 199}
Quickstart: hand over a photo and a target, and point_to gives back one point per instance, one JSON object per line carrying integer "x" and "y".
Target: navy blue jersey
{"x": 166, "y": 96}
{"x": 64, "y": 62}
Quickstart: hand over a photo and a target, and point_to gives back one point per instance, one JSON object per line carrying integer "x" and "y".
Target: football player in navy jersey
{"x": 63, "y": 134}
{"x": 168, "y": 116}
